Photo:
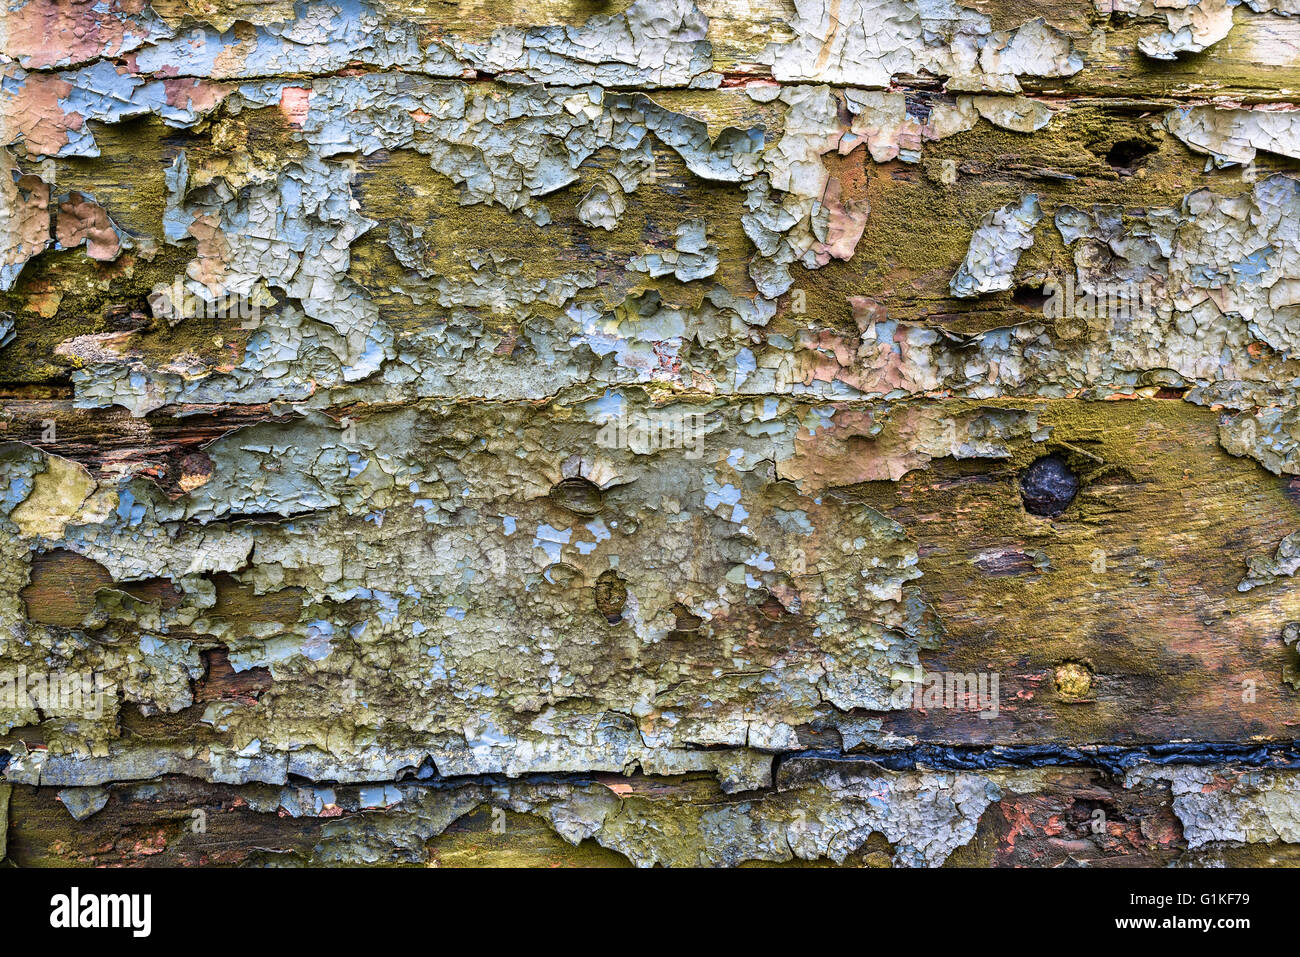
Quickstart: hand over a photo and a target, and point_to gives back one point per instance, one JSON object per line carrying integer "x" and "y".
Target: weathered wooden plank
{"x": 1137, "y": 580}
{"x": 540, "y": 434}
{"x": 1049, "y": 818}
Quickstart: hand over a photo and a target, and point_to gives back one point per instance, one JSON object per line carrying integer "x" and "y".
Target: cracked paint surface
{"x": 451, "y": 410}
